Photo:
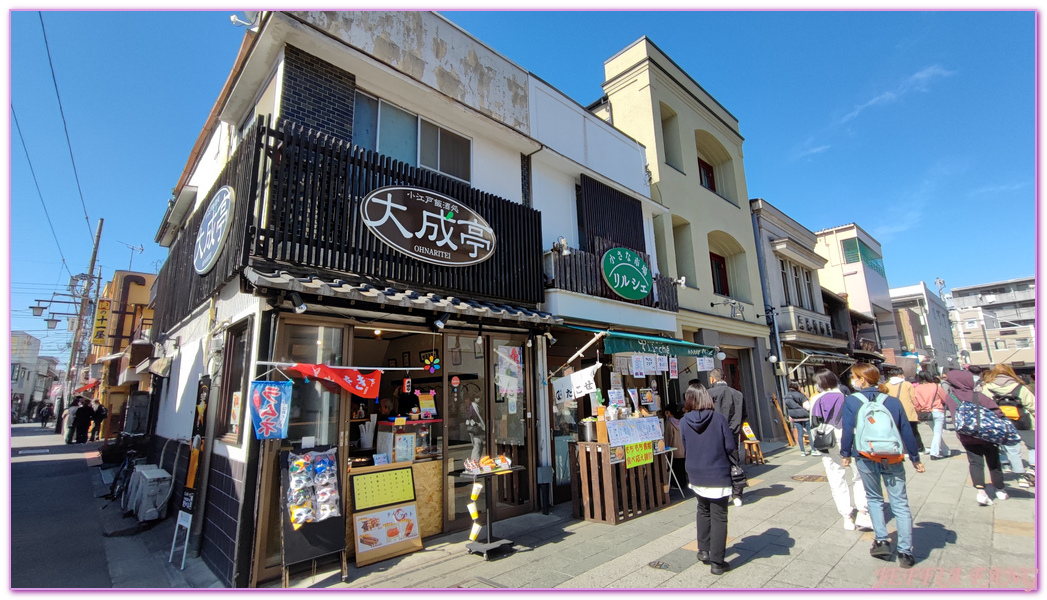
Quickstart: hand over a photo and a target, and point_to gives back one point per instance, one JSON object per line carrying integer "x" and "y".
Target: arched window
{"x": 729, "y": 271}
{"x": 715, "y": 166}
{"x": 670, "y": 136}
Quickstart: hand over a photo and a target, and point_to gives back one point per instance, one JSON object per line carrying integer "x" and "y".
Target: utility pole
{"x": 82, "y": 313}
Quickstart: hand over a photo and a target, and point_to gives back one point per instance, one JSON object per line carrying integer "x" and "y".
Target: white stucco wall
{"x": 552, "y": 193}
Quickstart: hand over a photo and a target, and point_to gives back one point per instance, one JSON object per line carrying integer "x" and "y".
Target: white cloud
{"x": 997, "y": 189}
{"x": 807, "y": 150}
{"x": 918, "y": 81}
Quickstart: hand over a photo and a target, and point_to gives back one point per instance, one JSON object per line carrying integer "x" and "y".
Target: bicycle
{"x": 123, "y": 476}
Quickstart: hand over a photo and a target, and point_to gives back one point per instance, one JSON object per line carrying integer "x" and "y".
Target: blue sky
{"x": 919, "y": 126}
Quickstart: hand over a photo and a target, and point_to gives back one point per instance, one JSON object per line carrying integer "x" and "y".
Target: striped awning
{"x": 821, "y": 357}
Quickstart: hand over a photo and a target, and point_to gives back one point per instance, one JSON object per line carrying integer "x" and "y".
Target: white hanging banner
{"x": 650, "y": 364}
{"x": 663, "y": 363}
{"x": 582, "y": 381}
{"x": 562, "y": 390}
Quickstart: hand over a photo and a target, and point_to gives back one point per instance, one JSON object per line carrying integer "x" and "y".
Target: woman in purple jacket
{"x": 979, "y": 452}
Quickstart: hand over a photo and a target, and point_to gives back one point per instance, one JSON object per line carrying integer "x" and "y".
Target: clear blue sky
{"x": 919, "y": 126}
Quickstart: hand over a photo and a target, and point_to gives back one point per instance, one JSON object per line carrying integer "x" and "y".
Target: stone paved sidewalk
{"x": 786, "y": 535}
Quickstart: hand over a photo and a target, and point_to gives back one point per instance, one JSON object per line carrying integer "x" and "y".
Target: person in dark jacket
{"x": 68, "y": 420}
{"x": 709, "y": 444}
{"x": 728, "y": 402}
{"x": 82, "y": 421}
{"x": 796, "y": 407}
{"x": 979, "y": 452}
{"x": 885, "y": 472}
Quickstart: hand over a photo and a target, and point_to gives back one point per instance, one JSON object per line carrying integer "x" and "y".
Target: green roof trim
{"x": 619, "y": 341}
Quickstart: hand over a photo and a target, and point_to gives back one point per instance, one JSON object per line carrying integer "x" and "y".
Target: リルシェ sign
{"x": 428, "y": 226}
{"x": 214, "y": 229}
{"x": 626, "y": 273}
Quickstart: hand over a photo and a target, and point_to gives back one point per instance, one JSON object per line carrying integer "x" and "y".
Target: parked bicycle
{"x": 132, "y": 456}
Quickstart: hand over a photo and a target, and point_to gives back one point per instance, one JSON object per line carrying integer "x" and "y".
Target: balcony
{"x": 579, "y": 272}
{"x": 802, "y": 325}
{"x": 298, "y": 195}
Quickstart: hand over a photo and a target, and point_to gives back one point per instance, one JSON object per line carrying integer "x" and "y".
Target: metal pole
{"x": 82, "y": 313}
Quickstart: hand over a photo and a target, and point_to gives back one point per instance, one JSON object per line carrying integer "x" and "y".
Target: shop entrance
{"x": 487, "y": 414}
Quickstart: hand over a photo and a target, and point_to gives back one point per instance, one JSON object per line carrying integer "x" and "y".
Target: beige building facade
{"x": 994, "y": 323}
{"x": 695, "y": 159}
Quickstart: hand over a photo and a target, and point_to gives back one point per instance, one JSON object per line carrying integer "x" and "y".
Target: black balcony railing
{"x": 579, "y": 272}
{"x": 298, "y": 195}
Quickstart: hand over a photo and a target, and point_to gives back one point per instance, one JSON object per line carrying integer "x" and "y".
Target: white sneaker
{"x": 862, "y": 521}
{"x": 848, "y": 523}
{"x": 983, "y": 498}
{"x": 737, "y": 501}
{"x": 1001, "y": 495}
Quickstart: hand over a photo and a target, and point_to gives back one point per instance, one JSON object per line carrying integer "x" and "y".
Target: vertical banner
{"x": 101, "y": 324}
{"x": 270, "y": 405}
{"x": 562, "y": 389}
{"x": 674, "y": 368}
{"x": 203, "y": 391}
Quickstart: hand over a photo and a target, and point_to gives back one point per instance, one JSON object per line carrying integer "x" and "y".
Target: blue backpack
{"x": 876, "y": 435}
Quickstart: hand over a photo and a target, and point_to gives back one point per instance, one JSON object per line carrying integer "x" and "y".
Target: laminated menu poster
{"x": 616, "y": 397}
{"x": 634, "y": 431}
{"x": 385, "y": 533}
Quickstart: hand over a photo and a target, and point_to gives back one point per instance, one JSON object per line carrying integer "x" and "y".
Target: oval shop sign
{"x": 214, "y": 229}
{"x": 626, "y": 273}
{"x": 428, "y": 226}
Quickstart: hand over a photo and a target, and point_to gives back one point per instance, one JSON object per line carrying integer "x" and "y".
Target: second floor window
{"x": 719, "y": 266}
{"x": 785, "y": 282}
{"x": 855, "y": 250}
{"x": 808, "y": 293}
{"x": 708, "y": 179}
{"x": 394, "y": 132}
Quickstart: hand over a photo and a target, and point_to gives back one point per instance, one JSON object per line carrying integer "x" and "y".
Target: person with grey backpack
{"x": 877, "y": 435}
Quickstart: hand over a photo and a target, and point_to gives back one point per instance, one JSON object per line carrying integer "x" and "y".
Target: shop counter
{"x": 605, "y": 491}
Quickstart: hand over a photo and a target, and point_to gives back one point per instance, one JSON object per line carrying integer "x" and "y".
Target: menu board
{"x": 383, "y": 488}
{"x": 403, "y": 447}
{"x": 385, "y": 533}
{"x": 634, "y": 431}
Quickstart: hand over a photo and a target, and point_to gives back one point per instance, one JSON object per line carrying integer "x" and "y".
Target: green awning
{"x": 619, "y": 341}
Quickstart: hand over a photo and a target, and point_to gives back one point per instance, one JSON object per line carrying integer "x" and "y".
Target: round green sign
{"x": 626, "y": 273}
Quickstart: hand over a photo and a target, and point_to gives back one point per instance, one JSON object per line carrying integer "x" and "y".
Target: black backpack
{"x": 101, "y": 413}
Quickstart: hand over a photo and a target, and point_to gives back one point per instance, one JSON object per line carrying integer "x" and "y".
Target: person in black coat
{"x": 82, "y": 421}
{"x": 709, "y": 444}
{"x": 795, "y": 407}
{"x": 730, "y": 403}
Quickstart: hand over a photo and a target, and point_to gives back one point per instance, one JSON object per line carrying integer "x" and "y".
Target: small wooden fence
{"x": 607, "y": 493}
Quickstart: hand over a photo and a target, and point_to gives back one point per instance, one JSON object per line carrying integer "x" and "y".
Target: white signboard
{"x": 562, "y": 390}
{"x": 616, "y": 380}
{"x": 663, "y": 363}
{"x": 638, "y": 365}
{"x": 582, "y": 381}
{"x": 616, "y": 397}
{"x": 650, "y": 364}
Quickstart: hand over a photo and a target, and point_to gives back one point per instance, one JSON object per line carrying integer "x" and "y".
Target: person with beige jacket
{"x": 1002, "y": 382}
{"x": 906, "y": 393}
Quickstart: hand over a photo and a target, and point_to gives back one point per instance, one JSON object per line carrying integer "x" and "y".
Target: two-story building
{"x": 705, "y": 239}
{"x": 854, "y": 270}
{"x": 802, "y": 327}
{"x": 383, "y": 196}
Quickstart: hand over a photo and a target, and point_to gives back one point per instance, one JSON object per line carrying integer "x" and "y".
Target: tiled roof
{"x": 390, "y": 296}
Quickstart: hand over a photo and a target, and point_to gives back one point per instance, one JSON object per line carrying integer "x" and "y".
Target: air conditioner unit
{"x": 148, "y": 490}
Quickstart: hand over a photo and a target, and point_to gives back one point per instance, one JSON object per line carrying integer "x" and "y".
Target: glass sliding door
{"x": 466, "y": 422}
{"x": 510, "y": 431}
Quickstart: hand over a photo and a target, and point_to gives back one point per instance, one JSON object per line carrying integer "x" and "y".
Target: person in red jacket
{"x": 979, "y": 452}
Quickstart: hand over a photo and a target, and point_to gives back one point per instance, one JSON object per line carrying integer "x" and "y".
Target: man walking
{"x": 728, "y": 402}
{"x": 100, "y": 414}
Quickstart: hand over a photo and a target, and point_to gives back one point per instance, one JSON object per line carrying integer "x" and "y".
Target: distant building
{"x": 805, "y": 327}
{"x": 923, "y": 324}
{"x": 855, "y": 271}
{"x": 994, "y": 323}
{"x": 25, "y": 353}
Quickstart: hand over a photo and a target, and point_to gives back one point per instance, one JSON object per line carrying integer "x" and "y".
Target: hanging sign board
{"x": 350, "y": 380}
{"x": 563, "y": 391}
{"x": 626, "y": 273}
{"x": 638, "y": 370}
{"x": 616, "y": 380}
{"x": 674, "y": 368}
{"x": 582, "y": 381}
{"x": 663, "y": 363}
{"x": 270, "y": 406}
{"x": 616, "y": 397}
{"x": 650, "y": 364}
{"x": 101, "y": 328}
{"x": 428, "y": 226}
{"x": 214, "y": 229}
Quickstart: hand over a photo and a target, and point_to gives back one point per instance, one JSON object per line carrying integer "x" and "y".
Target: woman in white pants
{"x": 827, "y": 407}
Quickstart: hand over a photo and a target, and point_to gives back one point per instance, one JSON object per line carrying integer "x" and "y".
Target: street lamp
{"x": 51, "y": 323}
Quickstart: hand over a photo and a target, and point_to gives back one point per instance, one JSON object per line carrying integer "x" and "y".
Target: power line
{"x": 38, "y": 192}
{"x": 69, "y": 143}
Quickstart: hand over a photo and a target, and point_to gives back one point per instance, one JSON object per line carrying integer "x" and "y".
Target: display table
{"x": 611, "y": 493}
{"x": 492, "y": 544}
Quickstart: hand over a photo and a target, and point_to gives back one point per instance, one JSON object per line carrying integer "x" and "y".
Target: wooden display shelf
{"x": 606, "y": 493}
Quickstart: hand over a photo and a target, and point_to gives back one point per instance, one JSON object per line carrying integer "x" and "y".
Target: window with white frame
{"x": 808, "y": 290}
{"x": 404, "y": 136}
{"x": 785, "y": 282}
{"x": 803, "y": 300}
{"x": 1023, "y": 342}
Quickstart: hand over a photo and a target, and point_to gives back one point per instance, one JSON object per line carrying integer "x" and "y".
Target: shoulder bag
{"x": 976, "y": 421}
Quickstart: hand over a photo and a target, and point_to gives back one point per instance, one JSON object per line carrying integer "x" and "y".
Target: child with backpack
{"x": 877, "y": 435}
